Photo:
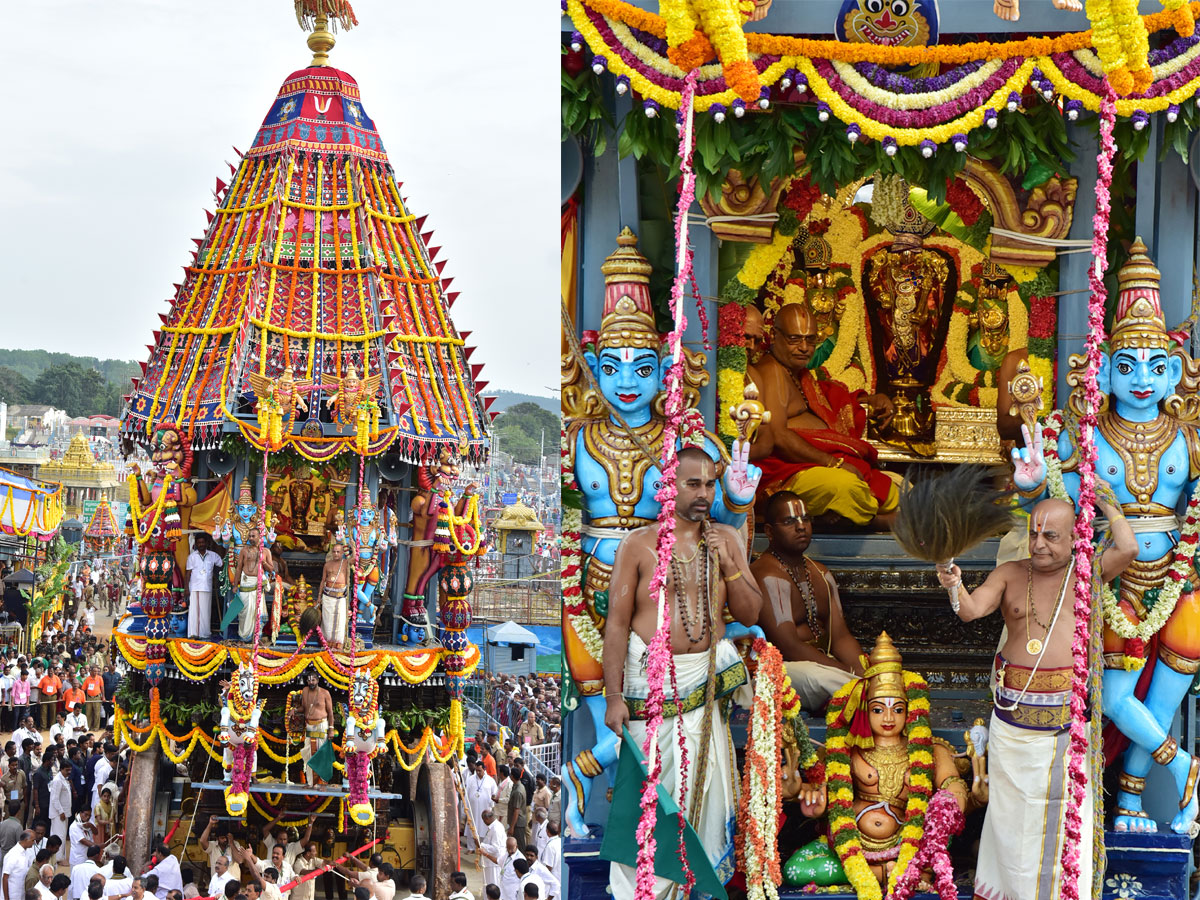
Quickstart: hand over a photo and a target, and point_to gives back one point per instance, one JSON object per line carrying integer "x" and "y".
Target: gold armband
{"x": 734, "y": 577}
{"x": 737, "y": 507}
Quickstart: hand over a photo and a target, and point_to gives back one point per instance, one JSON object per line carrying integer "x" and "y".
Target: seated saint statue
{"x": 801, "y": 611}
{"x": 879, "y": 740}
{"x": 814, "y": 444}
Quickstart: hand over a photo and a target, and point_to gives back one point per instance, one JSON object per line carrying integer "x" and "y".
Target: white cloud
{"x": 121, "y": 115}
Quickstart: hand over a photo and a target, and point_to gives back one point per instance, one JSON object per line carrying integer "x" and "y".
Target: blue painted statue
{"x": 235, "y": 530}
{"x": 368, "y": 542}
{"x": 619, "y": 482}
{"x": 1149, "y": 454}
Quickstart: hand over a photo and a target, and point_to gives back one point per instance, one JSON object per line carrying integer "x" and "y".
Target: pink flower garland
{"x": 943, "y": 820}
{"x": 659, "y": 657}
{"x": 1077, "y": 753}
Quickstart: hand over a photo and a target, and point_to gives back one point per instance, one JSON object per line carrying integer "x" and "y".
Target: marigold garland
{"x": 843, "y": 829}
{"x": 622, "y": 36}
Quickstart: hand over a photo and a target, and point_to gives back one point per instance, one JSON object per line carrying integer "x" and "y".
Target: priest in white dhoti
{"x": 1029, "y": 784}
{"x": 708, "y": 573}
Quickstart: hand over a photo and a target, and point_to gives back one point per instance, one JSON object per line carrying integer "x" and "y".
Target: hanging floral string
{"x": 943, "y": 820}
{"x": 1077, "y": 753}
{"x": 659, "y": 655}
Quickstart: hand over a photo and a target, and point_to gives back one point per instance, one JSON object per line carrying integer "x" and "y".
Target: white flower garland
{"x": 1090, "y": 61}
{"x": 1182, "y": 566}
{"x": 892, "y": 100}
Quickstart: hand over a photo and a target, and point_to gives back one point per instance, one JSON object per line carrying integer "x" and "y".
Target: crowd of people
{"x": 529, "y": 705}
{"x": 511, "y": 818}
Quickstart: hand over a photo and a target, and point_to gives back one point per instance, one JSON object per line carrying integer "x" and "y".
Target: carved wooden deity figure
{"x": 1148, "y": 451}
{"x": 156, "y": 524}
{"x": 879, "y": 729}
{"x": 239, "y": 735}
{"x": 423, "y": 562}
{"x": 909, "y": 290}
{"x": 616, "y": 467}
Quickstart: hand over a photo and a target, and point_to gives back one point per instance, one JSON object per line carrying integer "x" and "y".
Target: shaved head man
{"x": 814, "y": 443}
{"x": 1029, "y": 731}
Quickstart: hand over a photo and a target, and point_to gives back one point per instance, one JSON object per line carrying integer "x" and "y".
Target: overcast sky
{"x": 120, "y": 116}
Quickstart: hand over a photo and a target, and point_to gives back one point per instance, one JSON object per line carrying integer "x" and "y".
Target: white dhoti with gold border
{"x": 1020, "y": 850}
{"x": 715, "y": 820}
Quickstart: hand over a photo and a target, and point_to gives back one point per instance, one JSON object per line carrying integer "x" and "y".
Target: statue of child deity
{"x": 878, "y": 742}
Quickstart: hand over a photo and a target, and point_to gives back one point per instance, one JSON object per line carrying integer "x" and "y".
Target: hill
{"x": 29, "y": 364}
{"x": 507, "y": 399}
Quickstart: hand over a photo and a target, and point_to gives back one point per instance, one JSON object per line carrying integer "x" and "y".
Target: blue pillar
{"x": 1175, "y": 235}
{"x": 1073, "y": 267}
{"x": 705, "y": 245}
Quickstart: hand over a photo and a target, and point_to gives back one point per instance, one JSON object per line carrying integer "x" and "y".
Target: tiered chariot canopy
{"x": 313, "y": 260}
{"x": 102, "y": 527}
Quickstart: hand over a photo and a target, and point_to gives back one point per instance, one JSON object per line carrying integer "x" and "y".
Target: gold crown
{"x": 886, "y": 672}
{"x": 627, "y": 261}
{"x": 629, "y": 326}
{"x": 892, "y": 209}
{"x": 245, "y": 494}
{"x": 1139, "y": 321}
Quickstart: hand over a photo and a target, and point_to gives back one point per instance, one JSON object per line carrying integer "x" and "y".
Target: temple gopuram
{"x": 892, "y": 304}
{"x": 306, "y": 407}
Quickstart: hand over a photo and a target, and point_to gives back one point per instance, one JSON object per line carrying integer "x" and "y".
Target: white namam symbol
{"x": 361, "y": 690}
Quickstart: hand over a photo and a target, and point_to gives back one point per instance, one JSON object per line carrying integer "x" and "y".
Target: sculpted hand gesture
{"x": 1028, "y": 462}
{"x": 979, "y": 781}
{"x": 742, "y": 477}
{"x": 812, "y": 800}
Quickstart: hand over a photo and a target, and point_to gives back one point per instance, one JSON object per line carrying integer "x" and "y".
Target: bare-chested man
{"x": 245, "y": 576}
{"x": 815, "y": 441}
{"x": 318, "y": 713}
{"x": 708, "y": 571}
{"x": 335, "y": 586}
{"x": 801, "y": 612}
{"x": 1030, "y": 727}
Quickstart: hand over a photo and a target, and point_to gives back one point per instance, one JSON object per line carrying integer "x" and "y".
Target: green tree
{"x": 14, "y": 387}
{"x": 521, "y": 428}
{"x": 71, "y": 387}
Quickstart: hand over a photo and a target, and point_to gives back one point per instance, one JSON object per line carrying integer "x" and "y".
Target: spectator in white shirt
{"x": 121, "y": 882}
{"x": 528, "y": 876}
{"x": 76, "y": 725}
{"x": 104, "y": 769}
{"x": 458, "y": 881}
{"x": 16, "y": 864}
{"x": 416, "y": 884}
{"x": 541, "y": 871}
{"x": 82, "y": 873}
{"x": 220, "y": 878}
{"x": 165, "y": 872}
{"x": 200, "y": 565}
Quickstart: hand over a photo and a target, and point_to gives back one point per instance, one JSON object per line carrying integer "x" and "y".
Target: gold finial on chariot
{"x": 315, "y": 16}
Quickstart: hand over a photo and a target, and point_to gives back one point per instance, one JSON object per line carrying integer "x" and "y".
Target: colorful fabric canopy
{"x": 313, "y": 260}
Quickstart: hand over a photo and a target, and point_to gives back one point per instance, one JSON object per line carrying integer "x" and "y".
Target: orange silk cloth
{"x": 838, "y": 407}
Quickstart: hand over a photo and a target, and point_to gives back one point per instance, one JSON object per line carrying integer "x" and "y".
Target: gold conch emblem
{"x": 749, "y": 414}
{"x": 1026, "y": 392}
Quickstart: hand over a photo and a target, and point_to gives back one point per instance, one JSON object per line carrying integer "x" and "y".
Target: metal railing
{"x": 533, "y": 602}
{"x": 543, "y": 759}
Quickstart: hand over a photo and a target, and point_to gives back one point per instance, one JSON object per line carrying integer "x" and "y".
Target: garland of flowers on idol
{"x": 659, "y": 657}
{"x": 843, "y": 829}
{"x": 761, "y": 802}
{"x": 1136, "y": 634}
{"x": 943, "y": 820}
{"x": 571, "y": 557}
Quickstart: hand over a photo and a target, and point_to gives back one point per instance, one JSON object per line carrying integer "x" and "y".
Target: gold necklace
{"x": 1033, "y": 646}
{"x": 688, "y": 559}
{"x": 1140, "y": 446}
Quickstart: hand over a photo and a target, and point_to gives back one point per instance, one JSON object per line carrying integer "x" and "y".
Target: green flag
{"x": 620, "y": 834}
{"x": 322, "y": 761}
{"x": 231, "y": 611}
